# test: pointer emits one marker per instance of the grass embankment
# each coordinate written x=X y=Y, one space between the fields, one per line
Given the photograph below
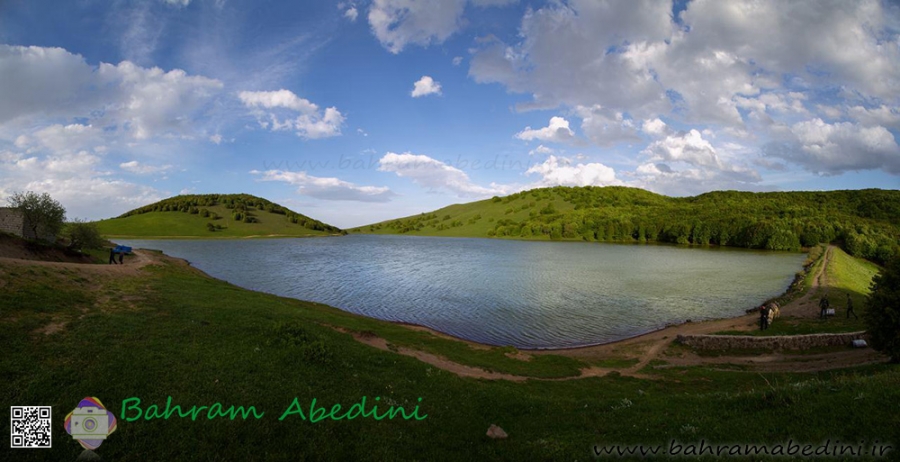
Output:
x=171 y=331
x=184 y=225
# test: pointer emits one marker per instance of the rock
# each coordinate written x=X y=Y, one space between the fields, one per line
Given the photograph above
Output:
x=495 y=432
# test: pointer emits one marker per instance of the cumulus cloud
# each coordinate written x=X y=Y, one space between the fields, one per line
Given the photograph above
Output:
x=179 y=3
x=557 y=131
x=351 y=13
x=655 y=127
x=835 y=148
x=687 y=164
x=311 y=123
x=434 y=174
x=690 y=148
x=75 y=179
x=397 y=23
x=426 y=86
x=457 y=60
x=605 y=127
x=328 y=188
x=143 y=102
x=876 y=116
x=559 y=172
x=721 y=63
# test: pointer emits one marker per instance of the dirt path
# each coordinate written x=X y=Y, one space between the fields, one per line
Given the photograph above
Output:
x=132 y=264
x=805 y=306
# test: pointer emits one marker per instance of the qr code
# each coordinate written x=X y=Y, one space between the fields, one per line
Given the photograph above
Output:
x=30 y=426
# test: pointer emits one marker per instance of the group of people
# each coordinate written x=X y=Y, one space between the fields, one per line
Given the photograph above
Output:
x=824 y=304
x=112 y=257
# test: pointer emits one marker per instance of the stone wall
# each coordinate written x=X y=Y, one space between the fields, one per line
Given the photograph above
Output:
x=776 y=342
x=11 y=221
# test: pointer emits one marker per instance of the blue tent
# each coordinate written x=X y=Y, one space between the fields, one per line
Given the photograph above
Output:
x=122 y=249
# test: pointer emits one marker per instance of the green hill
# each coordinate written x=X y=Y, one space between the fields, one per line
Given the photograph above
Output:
x=865 y=222
x=214 y=216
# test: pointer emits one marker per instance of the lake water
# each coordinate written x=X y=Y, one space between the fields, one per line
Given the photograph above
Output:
x=500 y=292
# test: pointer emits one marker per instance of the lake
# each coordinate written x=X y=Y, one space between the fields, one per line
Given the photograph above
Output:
x=501 y=292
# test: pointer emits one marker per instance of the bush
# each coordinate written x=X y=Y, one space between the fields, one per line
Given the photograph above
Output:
x=211 y=227
x=882 y=314
x=83 y=235
x=45 y=215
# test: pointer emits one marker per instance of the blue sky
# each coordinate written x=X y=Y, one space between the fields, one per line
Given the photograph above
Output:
x=358 y=111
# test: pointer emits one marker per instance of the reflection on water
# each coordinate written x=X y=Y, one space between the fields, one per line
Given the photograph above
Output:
x=526 y=294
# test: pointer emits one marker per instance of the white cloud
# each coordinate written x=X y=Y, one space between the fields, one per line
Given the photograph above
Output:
x=179 y=3
x=311 y=123
x=434 y=174
x=351 y=13
x=143 y=169
x=215 y=139
x=397 y=23
x=327 y=188
x=457 y=60
x=425 y=86
x=883 y=115
x=541 y=149
x=559 y=172
x=832 y=149
x=687 y=164
x=42 y=83
x=605 y=127
x=77 y=181
x=655 y=127
x=277 y=99
x=690 y=148
x=557 y=131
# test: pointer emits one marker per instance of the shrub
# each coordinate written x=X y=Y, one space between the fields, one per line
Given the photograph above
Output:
x=83 y=235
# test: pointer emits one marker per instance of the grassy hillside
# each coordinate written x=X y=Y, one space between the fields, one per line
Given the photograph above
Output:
x=213 y=216
x=170 y=331
x=865 y=222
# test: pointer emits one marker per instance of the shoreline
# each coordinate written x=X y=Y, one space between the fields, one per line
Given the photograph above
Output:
x=704 y=325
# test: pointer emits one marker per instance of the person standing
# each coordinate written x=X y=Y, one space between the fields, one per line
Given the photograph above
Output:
x=112 y=256
x=763 y=317
x=823 y=306
x=850 y=308
x=122 y=257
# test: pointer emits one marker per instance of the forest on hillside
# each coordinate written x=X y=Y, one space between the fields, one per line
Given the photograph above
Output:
x=866 y=223
x=243 y=207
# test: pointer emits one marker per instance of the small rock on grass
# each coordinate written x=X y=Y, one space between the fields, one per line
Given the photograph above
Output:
x=496 y=432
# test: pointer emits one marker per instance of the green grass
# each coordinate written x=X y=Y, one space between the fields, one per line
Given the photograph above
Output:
x=181 y=225
x=174 y=332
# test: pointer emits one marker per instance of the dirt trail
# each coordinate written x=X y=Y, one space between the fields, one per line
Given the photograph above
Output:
x=131 y=265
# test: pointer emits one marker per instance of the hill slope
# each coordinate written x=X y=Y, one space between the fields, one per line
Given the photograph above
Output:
x=214 y=215
x=867 y=222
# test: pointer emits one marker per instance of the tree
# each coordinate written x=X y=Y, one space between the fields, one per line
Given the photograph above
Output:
x=83 y=235
x=882 y=314
x=40 y=211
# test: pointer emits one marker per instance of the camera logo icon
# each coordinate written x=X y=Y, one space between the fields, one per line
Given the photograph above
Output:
x=90 y=423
